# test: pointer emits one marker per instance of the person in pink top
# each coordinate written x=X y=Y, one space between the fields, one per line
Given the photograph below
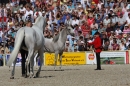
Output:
x=126 y=29
x=90 y=20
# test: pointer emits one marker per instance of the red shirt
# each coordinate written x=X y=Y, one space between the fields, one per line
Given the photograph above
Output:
x=84 y=30
x=97 y=44
x=90 y=21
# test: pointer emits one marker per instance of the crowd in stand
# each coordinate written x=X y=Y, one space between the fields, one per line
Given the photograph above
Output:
x=109 y=17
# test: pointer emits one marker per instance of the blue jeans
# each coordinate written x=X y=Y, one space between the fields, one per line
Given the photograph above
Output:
x=1 y=62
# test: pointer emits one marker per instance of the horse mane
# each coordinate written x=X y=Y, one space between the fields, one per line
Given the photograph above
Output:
x=55 y=38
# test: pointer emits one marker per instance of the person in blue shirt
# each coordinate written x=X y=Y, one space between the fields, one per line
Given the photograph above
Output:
x=60 y=21
x=1 y=59
x=94 y=31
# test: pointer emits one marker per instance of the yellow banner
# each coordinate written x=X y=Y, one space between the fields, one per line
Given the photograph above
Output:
x=68 y=58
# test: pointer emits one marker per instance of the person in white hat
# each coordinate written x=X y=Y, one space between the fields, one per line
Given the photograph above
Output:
x=106 y=21
x=81 y=47
x=126 y=29
x=114 y=19
x=75 y=47
x=68 y=47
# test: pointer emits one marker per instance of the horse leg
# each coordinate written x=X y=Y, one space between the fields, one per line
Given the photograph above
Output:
x=30 y=54
x=60 y=55
x=37 y=61
x=31 y=66
x=36 y=55
x=13 y=71
x=56 y=56
x=40 y=53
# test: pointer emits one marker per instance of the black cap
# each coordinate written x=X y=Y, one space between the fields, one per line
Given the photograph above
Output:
x=97 y=33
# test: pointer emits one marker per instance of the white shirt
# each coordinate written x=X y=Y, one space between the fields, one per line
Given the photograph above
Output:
x=1 y=33
x=22 y=9
x=121 y=20
x=125 y=15
x=32 y=0
x=118 y=31
x=114 y=20
x=105 y=22
x=28 y=12
x=75 y=22
x=5 y=12
x=99 y=5
x=128 y=20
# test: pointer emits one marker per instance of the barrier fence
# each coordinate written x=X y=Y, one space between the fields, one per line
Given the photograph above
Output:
x=82 y=58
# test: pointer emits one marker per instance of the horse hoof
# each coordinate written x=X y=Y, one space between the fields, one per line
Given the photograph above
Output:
x=26 y=76
x=60 y=68
x=34 y=76
x=11 y=77
x=37 y=75
x=54 y=68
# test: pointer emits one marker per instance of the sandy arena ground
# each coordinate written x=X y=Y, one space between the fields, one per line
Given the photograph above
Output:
x=83 y=75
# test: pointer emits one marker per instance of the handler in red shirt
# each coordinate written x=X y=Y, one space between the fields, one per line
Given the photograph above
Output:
x=97 y=45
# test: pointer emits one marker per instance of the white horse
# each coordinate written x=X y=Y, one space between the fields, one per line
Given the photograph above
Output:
x=33 y=39
x=57 y=44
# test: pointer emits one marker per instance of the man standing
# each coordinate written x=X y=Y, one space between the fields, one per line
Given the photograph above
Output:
x=97 y=45
x=24 y=53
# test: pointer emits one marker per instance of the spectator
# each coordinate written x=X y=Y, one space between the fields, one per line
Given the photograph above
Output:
x=1 y=60
x=126 y=29
x=68 y=47
x=82 y=46
x=109 y=18
x=115 y=46
x=122 y=45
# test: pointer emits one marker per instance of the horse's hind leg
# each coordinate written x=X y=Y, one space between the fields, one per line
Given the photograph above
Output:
x=37 y=58
x=40 y=53
x=13 y=71
x=31 y=67
x=30 y=54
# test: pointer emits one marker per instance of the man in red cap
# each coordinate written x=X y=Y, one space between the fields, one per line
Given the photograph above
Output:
x=96 y=1
x=97 y=45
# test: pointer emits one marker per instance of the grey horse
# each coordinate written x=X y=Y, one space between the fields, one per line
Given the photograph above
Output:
x=57 y=44
x=33 y=39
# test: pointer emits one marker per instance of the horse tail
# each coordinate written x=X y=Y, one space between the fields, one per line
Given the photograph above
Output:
x=18 y=42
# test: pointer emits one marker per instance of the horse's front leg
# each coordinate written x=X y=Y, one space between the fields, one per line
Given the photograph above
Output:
x=13 y=71
x=60 y=55
x=56 y=56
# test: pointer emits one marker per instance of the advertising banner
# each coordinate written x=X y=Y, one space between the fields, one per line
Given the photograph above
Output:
x=90 y=58
x=113 y=57
x=109 y=57
x=68 y=58
x=19 y=59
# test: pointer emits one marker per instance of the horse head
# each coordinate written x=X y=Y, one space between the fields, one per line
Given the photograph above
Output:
x=70 y=30
x=41 y=22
